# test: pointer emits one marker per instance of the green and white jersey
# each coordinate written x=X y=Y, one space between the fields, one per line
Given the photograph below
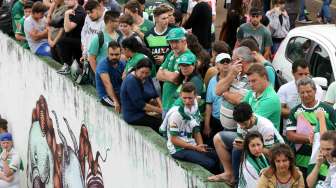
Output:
x=304 y=153
x=266 y=129
x=250 y=169
x=157 y=42
x=181 y=127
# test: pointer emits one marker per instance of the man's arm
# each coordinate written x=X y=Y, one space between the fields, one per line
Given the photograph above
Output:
x=314 y=174
x=36 y=35
x=92 y=62
x=298 y=138
x=233 y=97
x=285 y=111
x=267 y=53
x=224 y=84
x=109 y=90
x=68 y=24
x=207 y=116
x=164 y=75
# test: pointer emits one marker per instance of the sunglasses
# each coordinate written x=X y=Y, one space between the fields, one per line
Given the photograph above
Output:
x=225 y=61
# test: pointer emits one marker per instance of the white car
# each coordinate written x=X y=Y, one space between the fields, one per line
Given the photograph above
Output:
x=314 y=43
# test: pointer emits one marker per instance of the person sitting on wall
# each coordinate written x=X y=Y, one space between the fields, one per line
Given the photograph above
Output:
x=282 y=171
x=109 y=77
x=9 y=163
x=35 y=29
x=253 y=160
x=182 y=126
x=140 y=103
x=232 y=145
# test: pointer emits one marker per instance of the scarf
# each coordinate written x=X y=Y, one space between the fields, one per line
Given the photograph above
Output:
x=258 y=163
x=193 y=115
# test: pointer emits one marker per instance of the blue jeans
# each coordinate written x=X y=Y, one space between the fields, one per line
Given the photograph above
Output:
x=325 y=11
x=302 y=14
x=228 y=137
x=208 y=160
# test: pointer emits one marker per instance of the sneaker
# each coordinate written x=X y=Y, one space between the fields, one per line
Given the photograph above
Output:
x=64 y=70
x=305 y=21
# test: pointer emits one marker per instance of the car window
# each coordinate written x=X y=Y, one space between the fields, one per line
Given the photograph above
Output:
x=320 y=65
x=298 y=48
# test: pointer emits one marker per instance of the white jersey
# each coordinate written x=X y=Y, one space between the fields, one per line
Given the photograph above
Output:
x=266 y=128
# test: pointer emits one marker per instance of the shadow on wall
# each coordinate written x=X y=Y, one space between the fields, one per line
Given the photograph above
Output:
x=52 y=164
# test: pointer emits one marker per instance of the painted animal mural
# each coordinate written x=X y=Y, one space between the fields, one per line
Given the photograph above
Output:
x=59 y=165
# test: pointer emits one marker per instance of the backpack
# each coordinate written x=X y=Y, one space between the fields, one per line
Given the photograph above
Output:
x=279 y=79
x=6 y=17
x=101 y=39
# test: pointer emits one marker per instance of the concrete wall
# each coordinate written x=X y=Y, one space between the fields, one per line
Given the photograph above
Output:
x=135 y=157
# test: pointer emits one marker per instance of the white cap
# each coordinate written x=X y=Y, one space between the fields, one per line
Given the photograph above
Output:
x=222 y=56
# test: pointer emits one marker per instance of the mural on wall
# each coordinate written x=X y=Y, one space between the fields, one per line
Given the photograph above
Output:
x=60 y=165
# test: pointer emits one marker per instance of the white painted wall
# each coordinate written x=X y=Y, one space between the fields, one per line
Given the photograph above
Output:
x=131 y=161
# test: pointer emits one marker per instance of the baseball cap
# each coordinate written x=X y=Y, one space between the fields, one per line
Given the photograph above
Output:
x=6 y=137
x=176 y=34
x=186 y=58
x=222 y=56
x=255 y=11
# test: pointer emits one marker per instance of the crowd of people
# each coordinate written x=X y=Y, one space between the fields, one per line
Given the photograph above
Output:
x=219 y=103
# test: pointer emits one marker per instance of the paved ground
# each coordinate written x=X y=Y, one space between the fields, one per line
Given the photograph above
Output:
x=313 y=7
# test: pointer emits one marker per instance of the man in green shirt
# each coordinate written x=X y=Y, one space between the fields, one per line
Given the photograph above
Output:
x=17 y=13
x=19 y=32
x=141 y=25
x=96 y=52
x=262 y=97
x=155 y=39
x=306 y=119
x=255 y=29
x=169 y=70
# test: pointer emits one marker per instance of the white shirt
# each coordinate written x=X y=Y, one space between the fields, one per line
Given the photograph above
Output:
x=288 y=94
x=90 y=29
x=266 y=128
x=40 y=26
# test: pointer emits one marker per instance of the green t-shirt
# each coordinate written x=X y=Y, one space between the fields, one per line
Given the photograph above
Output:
x=262 y=35
x=133 y=61
x=17 y=14
x=102 y=52
x=169 y=88
x=304 y=153
x=20 y=31
x=266 y=105
x=324 y=168
x=146 y=26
